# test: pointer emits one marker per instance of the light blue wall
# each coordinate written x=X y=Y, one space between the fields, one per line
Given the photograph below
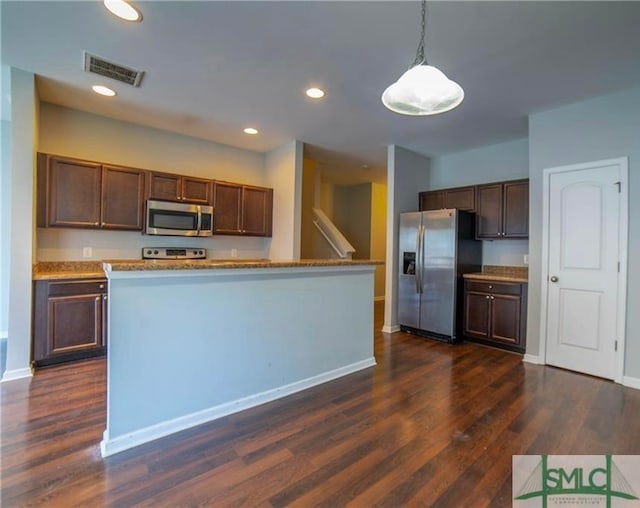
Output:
x=24 y=121
x=235 y=334
x=493 y=163
x=5 y=214
x=407 y=173
x=601 y=128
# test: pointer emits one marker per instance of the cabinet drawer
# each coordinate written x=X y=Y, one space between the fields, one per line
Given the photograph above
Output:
x=505 y=288
x=77 y=287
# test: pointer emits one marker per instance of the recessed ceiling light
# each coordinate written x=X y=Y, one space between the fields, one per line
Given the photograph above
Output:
x=103 y=90
x=123 y=10
x=250 y=130
x=315 y=93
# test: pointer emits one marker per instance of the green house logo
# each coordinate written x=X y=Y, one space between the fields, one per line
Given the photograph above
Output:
x=576 y=482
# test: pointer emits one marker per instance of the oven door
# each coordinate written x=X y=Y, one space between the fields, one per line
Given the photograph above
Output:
x=172 y=219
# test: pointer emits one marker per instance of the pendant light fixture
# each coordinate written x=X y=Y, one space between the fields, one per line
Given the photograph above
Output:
x=423 y=89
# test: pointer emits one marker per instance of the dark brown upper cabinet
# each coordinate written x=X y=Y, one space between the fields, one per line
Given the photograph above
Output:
x=462 y=198
x=502 y=210
x=187 y=189
x=257 y=211
x=122 y=198
x=242 y=209
x=431 y=200
x=83 y=194
x=516 y=209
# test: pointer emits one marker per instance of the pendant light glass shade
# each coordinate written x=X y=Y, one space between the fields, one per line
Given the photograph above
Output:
x=423 y=90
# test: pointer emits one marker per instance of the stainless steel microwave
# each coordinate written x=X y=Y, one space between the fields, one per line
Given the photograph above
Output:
x=178 y=219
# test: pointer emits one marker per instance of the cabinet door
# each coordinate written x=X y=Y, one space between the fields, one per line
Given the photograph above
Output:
x=227 y=202
x=69 y=320
x=196 y=190
x=256 y=211
x=431 y=200
x=73 y=189
x=505 y=319
x=516 y=209
x=489 y=211
x=75 y=323
x=476 y=314
x=122 y=198
x=164 y=186
x=462 y=198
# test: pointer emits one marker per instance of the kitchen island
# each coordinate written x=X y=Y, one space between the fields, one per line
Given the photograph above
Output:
x=192 y=341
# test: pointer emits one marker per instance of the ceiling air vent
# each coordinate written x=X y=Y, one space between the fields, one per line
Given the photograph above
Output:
x=112 y=70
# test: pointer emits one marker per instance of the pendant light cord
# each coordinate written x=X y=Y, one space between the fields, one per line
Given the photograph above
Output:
x=420 y=55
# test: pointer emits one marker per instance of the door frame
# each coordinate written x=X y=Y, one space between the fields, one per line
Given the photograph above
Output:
x=623 y=231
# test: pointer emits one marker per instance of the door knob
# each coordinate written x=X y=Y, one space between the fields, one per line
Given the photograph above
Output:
x=553 y=278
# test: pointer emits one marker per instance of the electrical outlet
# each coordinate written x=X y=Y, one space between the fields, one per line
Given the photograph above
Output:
x=234 y=253
x=526 y=259
x=87 y=252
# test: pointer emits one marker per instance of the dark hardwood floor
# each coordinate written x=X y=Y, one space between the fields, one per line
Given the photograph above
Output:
x=431 y=425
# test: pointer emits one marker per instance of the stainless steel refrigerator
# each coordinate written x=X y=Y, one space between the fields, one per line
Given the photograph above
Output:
x=435 y=249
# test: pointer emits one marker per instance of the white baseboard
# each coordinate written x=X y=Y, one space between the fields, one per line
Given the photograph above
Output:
x=391 y=329
x=378 y=298
x=535 y=359
x=631 y=382
x=12 y=375
x=118 y=444
x=4 y=334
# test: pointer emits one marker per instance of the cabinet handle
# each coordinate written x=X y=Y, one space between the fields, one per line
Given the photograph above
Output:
x=490 y=286
x=101 y=286
x=104 y=297
x=96 y=223
x=97 y=298
x=487 y=297
x=492 y=297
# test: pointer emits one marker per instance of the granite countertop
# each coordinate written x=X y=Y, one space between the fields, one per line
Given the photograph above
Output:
x=501 y=273
x=214 y=264
x=60 y=270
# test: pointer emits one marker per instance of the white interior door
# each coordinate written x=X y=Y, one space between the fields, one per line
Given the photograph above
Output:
x=583 y=269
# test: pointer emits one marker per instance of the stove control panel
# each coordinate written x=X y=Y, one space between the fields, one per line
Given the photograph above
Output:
x=173 y=253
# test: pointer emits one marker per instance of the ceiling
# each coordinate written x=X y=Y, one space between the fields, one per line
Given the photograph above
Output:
x=213 y=68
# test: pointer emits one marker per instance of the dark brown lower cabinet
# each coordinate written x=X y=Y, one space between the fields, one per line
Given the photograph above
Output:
x=495 y=313
x=69 y=320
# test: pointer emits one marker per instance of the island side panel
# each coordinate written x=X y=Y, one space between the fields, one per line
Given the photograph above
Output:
x=183 y=345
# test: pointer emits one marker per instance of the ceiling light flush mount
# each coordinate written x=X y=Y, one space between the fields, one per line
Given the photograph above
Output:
x=103 y=90
x=250 y=130
x=123 y=9
x=315 y=93
x=423 y=89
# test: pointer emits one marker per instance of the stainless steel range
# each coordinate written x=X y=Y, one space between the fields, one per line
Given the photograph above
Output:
x=173 y=253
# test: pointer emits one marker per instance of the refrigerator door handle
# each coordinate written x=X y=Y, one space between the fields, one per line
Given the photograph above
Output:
x=419 y=264
x=416 y=271
x=423 y=233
